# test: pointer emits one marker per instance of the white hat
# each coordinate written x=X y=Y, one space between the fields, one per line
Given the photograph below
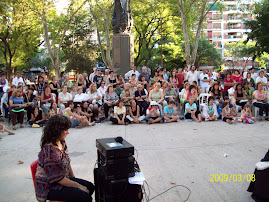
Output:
x=153 y=103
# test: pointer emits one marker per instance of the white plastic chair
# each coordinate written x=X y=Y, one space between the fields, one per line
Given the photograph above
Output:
x=203 y=99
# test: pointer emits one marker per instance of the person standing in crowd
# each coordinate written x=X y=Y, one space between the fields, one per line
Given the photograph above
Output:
x=46 y=100
x=228 y=83
x=237 y=77
x=210 y=112
x=159 y=77
x=129 y=74
x=106 y=76
x=44 y=75
x=260 y=101
x=214 y=75
x=64 y=97
x=204 y=81
x=144 y=74
x=119 y=114
x=112 y=79
x=173 y=80
x=54 y=86
x=5 y=104
x=97 y=79
x=254 y=75
x=249 y=80
x=62 y=78
x=37 y=117
x=55 y=179
x=180 y=77
x=68 y=83
x=17 y=108
x=110 y=100
x=165 y=76
x=92 y=74
x=40 y=86
x=88 y=82
x=261 y=78
x=18 y=80
x=170 y=112
x=192 y=75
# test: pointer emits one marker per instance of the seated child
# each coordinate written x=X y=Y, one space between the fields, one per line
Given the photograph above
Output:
x=153 y=113
x=228 y=114
x=170 y=112
x=191 y=111
x=246 y=115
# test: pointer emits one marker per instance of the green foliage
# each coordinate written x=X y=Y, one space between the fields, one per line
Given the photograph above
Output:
x=207 y=54
x=80 y=52
x=19 y=34
x=260 y=27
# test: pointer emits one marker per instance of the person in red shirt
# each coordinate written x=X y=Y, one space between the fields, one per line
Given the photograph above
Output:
x=228 y=83
x=237 y=77
x=180 y=77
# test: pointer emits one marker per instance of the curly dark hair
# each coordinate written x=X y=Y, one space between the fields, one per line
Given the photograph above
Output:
x=54 y=128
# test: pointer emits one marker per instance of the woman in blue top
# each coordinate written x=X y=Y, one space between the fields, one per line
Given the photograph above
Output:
x=17 y=108
x=191 y=111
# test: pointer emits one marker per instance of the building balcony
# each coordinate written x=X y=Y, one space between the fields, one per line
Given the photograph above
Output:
x=216 y=37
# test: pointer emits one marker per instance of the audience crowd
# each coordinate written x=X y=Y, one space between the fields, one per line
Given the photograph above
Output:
x=136 y=97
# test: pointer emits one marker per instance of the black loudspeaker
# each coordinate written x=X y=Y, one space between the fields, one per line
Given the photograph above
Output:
x=116 y=168
x=115 y=190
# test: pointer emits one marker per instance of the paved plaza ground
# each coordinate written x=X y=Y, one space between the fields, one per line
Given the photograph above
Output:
x=185 y=153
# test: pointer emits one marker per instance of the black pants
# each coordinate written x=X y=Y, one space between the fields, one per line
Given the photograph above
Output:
x=115 y=121
x=143 y=107
x=69 y=194
x=29 y=110
x=242 y=104
x=188 y=115
x=106 y=109
x=264 y=107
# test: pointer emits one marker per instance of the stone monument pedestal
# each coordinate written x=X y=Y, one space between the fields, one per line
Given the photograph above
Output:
x=122 y=53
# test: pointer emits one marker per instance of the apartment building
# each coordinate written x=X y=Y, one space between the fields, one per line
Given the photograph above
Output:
x=227 y=26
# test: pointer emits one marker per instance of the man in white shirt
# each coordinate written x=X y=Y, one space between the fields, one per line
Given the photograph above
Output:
x=254 y=75
x=18 y=80
x=204 y=81
x=165 y=77
x=192 y=75
x=92 y=75
x=64 y=97
x=129 y=74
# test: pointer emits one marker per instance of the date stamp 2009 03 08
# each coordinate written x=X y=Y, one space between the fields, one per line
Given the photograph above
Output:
x=232 y=177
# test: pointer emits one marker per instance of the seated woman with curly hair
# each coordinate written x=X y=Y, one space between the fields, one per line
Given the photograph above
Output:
x=55 y=179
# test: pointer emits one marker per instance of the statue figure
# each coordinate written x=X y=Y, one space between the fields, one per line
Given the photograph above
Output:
x=122 y=21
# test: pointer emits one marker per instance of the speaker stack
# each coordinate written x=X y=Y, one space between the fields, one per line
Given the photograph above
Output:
x=116 y=164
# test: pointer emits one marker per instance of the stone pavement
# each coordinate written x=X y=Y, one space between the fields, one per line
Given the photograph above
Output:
x=185 y=153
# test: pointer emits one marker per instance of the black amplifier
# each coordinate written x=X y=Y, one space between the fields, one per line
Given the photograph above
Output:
x=111 y=149
x=116 y=168
x=115 y=190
